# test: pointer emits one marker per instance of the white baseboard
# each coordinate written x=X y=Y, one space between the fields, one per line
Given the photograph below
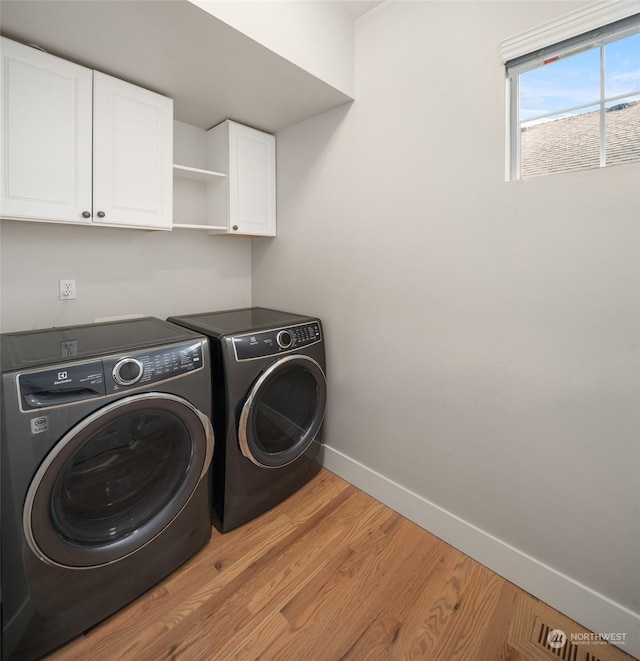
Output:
x=582 y=604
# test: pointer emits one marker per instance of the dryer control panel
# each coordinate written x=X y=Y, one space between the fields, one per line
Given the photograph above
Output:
x=75 y=382
x=277 y=340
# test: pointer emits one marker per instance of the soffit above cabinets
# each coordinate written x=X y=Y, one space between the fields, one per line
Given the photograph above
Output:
x=173 y=47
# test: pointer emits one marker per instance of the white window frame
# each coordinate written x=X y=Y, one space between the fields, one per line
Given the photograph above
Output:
x=542 y=39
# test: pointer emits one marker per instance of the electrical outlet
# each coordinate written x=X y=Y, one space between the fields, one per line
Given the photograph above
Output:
x=67 y=290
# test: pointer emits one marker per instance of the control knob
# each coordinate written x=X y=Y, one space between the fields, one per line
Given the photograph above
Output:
x=284 y=339
x=128 y=371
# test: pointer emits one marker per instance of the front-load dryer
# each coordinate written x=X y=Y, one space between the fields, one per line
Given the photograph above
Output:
x=269 y=399
x=105 y=453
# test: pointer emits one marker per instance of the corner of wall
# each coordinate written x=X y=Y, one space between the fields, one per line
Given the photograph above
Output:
x=579 y=602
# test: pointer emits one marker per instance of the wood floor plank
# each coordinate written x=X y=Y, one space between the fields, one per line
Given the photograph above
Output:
x=492 y=644
x=355 y=589
x=357 y=518
x=270 y=580
x=254 y=640
x=377 y=640
x=436 y=601
x=329 y=574
x=383 y=632
x=471 y=617
x=218 y=605
x=141 y=626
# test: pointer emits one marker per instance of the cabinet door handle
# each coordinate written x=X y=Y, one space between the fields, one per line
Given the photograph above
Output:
x=86 y=214
x=235 y=228
x=101 y=214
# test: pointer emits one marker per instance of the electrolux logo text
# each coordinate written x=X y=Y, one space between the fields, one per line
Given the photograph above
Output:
x=63 y=377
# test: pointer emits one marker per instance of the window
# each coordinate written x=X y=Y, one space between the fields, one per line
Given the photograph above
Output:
x=575 y=105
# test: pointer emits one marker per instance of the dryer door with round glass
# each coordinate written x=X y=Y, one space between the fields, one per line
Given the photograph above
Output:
x=117 y=480
x=283 y=412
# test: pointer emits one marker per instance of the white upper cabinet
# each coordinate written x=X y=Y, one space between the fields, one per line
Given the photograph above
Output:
x=225 y=179
x=81 y=146
x=252 y=181
x=249 y=158
x=47 y=124
x=132 y=155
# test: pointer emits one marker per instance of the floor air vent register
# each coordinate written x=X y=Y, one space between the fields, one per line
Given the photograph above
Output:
x=540 y=633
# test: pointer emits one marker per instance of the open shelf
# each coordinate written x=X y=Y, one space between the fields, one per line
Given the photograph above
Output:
x=193 y=184
x=195 y=174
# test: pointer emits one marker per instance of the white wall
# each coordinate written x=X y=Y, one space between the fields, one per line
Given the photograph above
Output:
x=482 y=335
x=315 y=35
x=118 y=272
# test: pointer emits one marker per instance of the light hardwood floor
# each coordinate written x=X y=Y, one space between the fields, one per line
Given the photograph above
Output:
x=331 y=574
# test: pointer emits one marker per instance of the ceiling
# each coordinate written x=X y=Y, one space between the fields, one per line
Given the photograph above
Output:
x=358 y=7
x=211 y=71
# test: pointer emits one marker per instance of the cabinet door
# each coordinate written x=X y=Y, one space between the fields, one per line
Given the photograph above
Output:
x=45 y=163
x=252 y=181
x=132 y=155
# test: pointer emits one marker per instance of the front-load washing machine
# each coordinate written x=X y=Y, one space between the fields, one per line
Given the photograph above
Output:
x=105 y=453
x=269 y=399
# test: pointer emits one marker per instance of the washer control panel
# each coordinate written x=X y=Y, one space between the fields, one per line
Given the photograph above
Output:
x=75 y=382
x=278 y=340
x=144 y=368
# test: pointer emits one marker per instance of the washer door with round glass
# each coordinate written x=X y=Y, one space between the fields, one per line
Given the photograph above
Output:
x=283 y=412
x=117 y=480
